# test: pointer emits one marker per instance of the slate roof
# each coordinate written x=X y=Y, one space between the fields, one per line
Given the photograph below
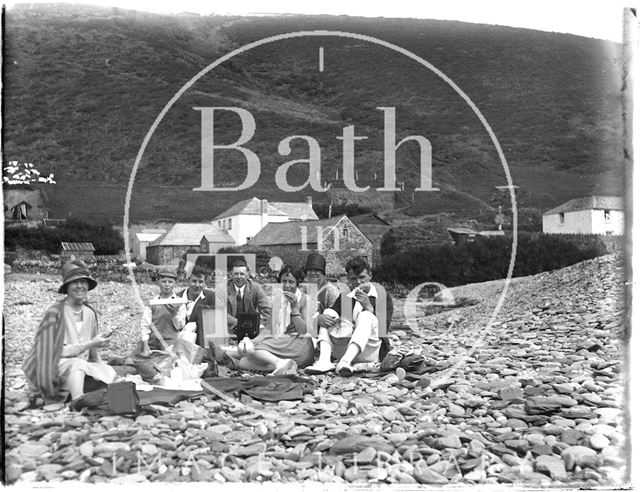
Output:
x=276 y=233
x=593 y=202
x=252 y=206
x=374 y=232
x=77 y=247
x=372 y=218
x=462 y=230
x=191 y=235
x=148 y=236
x=296 y=211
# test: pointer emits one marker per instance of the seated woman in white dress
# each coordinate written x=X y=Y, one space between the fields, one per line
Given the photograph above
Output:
x=66 y=346
x=290 y=345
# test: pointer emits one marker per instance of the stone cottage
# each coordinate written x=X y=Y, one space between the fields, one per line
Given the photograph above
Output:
x=24 y=203
x=246 y=218
x=337 y=238
x=170 y=247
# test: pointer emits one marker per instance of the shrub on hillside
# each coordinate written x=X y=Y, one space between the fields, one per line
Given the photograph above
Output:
x=487 y=259
x=105 y=238
x=236 y=253
x=349 y=209
x=411 y=236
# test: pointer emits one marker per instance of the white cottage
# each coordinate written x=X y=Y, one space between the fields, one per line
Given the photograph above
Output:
x=246 y=218
x=595 y=214
x=143 y=239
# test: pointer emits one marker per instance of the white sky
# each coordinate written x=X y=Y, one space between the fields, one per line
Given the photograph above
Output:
x=597 y=19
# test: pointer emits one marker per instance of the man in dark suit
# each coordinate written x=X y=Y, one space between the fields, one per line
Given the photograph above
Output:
x=245 y=296
x=197 y=297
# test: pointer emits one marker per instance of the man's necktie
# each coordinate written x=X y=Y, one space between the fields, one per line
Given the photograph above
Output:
x=238 y=301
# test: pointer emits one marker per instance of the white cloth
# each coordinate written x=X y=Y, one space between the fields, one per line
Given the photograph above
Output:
x=284 y=315
x=190 y=304
x=241 y=289
x=357 y=309
x=81 y=332
x=178 y=320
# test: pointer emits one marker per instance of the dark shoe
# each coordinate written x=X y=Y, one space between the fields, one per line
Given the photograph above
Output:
x=218 y=355
x=414 y=364
x=390 y=362
x=212 y=370
x=344 y=370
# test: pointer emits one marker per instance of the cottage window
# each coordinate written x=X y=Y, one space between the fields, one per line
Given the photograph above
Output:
x=561 y=217
x=345 y=232
x=229 y=224
x=607 y=215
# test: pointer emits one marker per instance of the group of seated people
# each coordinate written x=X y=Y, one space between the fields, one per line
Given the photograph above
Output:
x=339 y=329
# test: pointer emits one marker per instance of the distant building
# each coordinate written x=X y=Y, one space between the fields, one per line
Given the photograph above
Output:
x=24 y=203
x=374 y=227
x=246 y=218
x=596 y=214
x=169 y=248
x=76 y=251
x=466 y=235
x=142 y=239
x=339 y=240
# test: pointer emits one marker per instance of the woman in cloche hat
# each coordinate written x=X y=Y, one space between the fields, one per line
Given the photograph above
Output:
x=66 y=346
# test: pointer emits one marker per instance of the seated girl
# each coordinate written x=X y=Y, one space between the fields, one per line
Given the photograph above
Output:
x=281 y=354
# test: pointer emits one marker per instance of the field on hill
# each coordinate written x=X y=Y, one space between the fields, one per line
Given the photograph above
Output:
x=83 y=85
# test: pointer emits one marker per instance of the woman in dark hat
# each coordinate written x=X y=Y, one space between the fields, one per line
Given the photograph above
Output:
x=66 y=346
x=314 y=270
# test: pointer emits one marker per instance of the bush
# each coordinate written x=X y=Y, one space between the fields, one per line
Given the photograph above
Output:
x=488 y=259
x=105 y=238
x=208 y=263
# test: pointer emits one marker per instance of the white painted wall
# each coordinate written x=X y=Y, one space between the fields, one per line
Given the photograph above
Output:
x=584 y=222
x=613 y=224
x=243 y=225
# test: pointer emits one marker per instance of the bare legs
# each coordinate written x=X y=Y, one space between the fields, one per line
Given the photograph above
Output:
x=323 y=364
x=75 y=383
x=261 y=360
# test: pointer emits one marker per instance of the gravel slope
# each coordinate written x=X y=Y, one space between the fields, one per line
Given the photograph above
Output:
x=534 y=397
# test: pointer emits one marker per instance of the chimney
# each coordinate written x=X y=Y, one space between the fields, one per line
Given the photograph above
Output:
x=264 y=220
x=310 y=201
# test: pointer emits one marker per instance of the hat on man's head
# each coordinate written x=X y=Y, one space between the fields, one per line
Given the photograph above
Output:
x=167 y=271
x=315 y=261
x=75 y=270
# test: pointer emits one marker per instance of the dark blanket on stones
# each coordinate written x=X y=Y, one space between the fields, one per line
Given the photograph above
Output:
x=265 y=388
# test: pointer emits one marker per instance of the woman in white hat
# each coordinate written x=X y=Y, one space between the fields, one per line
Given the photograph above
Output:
x=66 y=346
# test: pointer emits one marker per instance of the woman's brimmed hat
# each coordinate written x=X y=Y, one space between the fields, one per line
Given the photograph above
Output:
x=315 y=261
x=75 y=270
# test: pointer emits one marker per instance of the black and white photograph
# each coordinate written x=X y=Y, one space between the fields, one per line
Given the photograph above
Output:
x=338 y=246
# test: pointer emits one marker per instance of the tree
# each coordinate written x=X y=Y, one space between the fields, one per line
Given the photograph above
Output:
x=15 y=173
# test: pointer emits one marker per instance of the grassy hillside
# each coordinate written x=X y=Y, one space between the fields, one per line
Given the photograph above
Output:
x=83 y=85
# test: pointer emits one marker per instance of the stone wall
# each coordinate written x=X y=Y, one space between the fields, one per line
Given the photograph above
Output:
x=105 y=272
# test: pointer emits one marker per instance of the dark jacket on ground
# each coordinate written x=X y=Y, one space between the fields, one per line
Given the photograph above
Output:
x=209 y=301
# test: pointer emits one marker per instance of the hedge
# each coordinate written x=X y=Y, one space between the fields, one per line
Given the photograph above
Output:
x=105 y=238
x=487 y=259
